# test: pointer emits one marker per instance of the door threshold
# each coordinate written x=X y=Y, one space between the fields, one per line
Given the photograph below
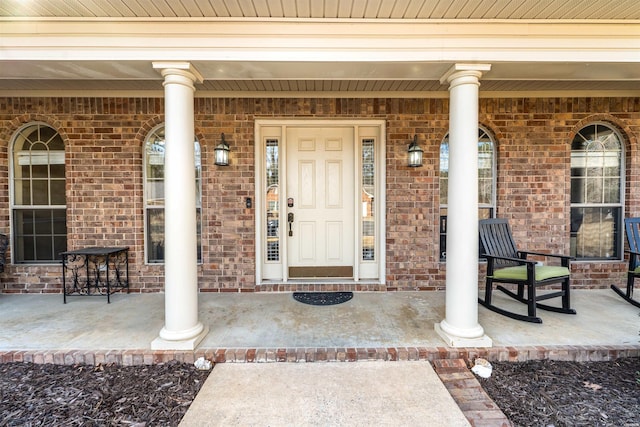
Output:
x=321 y=285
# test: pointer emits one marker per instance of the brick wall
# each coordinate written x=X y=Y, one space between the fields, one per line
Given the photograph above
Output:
x=104 y=138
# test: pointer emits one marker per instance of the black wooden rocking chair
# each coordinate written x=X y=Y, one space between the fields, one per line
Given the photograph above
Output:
x=632 y=226
x=505 y=264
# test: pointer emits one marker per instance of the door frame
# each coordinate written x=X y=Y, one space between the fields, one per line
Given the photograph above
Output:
x=270 y=272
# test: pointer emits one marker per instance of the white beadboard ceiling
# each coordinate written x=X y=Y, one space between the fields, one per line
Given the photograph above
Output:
x=348 y=9
x=119 y=49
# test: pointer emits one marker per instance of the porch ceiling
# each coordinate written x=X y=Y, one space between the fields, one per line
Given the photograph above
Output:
x=368 y=9
x=322 y=48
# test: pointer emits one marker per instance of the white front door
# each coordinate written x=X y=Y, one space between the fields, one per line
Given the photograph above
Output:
x=320 y=202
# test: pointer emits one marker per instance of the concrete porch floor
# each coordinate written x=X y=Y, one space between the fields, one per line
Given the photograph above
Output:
x=400 y=320
x=273 y=327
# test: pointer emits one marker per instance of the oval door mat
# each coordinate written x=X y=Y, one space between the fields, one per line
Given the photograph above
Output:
x=322 y=298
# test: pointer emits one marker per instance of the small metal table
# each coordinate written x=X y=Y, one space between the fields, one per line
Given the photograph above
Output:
x=95 y=271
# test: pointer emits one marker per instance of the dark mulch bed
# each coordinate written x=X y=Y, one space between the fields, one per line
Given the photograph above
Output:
x=536 y=393
x=57 y=395
x=553 y=393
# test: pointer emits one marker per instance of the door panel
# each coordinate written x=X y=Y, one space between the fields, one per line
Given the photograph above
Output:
x=307 y=253
x=334 y=184
x=335 y=244
x=320 y=180
x=307 y=184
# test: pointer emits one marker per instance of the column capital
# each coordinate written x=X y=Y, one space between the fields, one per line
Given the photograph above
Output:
x=460 y=70
x=180 y=68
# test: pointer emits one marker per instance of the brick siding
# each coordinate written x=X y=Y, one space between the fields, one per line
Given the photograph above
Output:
x=104 y=144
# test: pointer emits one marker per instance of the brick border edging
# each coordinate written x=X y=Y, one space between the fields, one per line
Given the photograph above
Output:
x=465 y=389
x=320 y=354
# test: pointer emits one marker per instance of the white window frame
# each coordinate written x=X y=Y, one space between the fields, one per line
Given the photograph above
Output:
x=47 y=157
x=147 y=207
x=491 y=207
x=619 y=236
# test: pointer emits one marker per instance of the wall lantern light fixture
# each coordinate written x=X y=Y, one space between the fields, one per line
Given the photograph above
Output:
x=415 y=153
x=222 y=153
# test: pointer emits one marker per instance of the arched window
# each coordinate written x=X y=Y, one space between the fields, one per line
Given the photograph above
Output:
x=154 y=195
x=38 y=194
x=486 y=183
x=596 y=193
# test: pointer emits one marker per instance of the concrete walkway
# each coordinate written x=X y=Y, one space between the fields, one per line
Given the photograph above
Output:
x=324 y=394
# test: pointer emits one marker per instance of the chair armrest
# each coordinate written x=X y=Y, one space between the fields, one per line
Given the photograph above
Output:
x=491 y=268
x=520 y=261
x=548 y=255
x=565 y=260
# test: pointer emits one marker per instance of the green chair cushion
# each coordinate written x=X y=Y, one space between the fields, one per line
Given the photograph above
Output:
x=519 y=272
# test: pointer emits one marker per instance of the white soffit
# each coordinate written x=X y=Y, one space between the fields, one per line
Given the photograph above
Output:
x=275 y=55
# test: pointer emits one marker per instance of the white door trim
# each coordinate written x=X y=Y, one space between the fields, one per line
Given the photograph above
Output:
x=276 y=272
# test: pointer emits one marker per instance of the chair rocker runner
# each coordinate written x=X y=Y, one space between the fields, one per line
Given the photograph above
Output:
x=632 y=227
x=506 y=264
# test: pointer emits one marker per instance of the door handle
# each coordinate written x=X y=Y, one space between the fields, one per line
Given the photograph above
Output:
x=290 y=221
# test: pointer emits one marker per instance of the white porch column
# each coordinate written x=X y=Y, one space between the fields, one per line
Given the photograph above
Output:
x=182 y=329
x=460 y=328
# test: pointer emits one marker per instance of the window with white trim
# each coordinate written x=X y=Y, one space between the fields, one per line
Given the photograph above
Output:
x=154 y=195
x=39 y=211
x=597 y=187
x=486 y=183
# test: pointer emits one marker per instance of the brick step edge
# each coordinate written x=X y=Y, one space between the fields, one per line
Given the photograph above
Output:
x=476 y=405
x=317 y=354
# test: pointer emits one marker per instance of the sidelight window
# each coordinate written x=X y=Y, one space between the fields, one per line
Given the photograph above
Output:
x=272 y=201
x=368 y=190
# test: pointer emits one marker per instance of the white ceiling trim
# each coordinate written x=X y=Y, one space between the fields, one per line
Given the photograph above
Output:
x=280 y=54
x=232 y=40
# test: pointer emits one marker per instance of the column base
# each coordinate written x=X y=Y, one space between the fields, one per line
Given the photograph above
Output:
x=186 y=344
x=456 y=341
